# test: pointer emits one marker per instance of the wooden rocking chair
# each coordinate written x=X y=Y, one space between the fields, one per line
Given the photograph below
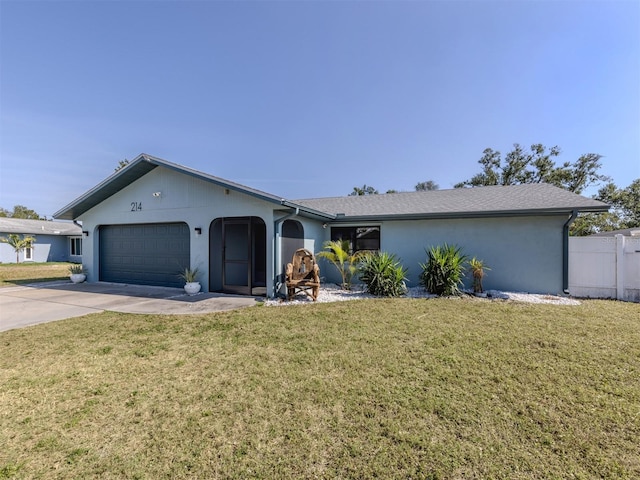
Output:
x=303 y=275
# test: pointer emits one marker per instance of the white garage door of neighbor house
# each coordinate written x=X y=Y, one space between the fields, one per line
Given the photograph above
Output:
x=144 y=254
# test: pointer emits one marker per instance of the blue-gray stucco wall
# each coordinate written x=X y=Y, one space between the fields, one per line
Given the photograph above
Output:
x=524 y=253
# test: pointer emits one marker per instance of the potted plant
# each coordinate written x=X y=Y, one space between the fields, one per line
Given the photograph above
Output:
x=190 y=277
x=77 y=273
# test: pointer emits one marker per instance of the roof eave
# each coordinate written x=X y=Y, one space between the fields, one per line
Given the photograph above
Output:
x=308 y=212
x=456 y=215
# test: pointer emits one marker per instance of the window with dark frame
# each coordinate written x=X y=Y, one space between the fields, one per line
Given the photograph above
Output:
x=76 y=246
x=359 y=238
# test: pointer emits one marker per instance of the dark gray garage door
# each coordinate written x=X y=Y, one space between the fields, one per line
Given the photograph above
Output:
x=146 y=254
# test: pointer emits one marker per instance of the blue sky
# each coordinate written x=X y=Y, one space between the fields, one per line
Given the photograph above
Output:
x=309 y=99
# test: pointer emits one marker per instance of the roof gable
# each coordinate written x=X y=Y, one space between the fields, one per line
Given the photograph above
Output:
x=144 y=164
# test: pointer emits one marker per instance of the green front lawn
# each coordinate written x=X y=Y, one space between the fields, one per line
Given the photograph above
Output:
x=398 y=388
x=12 y=274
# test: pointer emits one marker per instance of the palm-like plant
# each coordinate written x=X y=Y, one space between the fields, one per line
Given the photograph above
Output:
x=383 y=274
x=338 y=253
x=443 y=272
x=477 y=268
x=18 y=244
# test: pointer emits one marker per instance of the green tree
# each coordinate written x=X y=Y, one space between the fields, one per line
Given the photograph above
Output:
x=365 y=190
x=20 y=211
x=346 y=262
x=18 y=244
x=536 y=166
x=122 y=164
x=624 y=213
x=425 y=186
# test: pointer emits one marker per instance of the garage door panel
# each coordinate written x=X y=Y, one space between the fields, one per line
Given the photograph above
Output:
x=145 y=254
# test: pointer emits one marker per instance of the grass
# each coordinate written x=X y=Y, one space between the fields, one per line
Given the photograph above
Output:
x=399 y=388
x=12 y=274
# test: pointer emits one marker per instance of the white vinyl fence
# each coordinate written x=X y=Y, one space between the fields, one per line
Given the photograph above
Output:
x=605 y=267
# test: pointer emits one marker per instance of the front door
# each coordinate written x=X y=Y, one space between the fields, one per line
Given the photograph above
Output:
x=236 y=263
x=238 y=255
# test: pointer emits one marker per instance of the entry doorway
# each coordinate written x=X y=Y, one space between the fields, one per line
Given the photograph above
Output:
x=238 y=255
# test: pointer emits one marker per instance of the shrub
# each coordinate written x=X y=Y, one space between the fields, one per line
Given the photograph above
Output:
x=444 y=270
x=382 y=274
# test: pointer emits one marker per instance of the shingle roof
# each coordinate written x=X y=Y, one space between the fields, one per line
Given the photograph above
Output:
x=628 y=232
x=35 y=227
x=458 y=202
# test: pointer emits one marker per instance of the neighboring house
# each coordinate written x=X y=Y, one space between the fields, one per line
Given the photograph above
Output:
x=152 y=218
x=55 y=241
x=627 y=232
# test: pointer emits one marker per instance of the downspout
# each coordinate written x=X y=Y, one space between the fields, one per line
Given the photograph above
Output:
x=565 y=251
x=277 y=232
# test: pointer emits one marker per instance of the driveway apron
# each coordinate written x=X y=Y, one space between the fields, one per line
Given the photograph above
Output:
x=39 y=303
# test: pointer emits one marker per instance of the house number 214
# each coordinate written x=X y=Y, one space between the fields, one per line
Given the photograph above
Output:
x=136 y=206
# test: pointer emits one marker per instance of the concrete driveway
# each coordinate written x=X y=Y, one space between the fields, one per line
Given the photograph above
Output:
x=45 y=302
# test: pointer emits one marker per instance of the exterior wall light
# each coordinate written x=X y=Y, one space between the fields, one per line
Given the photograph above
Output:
x=85 y=233
x=198 y=230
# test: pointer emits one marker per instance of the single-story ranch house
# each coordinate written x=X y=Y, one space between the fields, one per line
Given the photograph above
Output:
x=55 y=241
x=152 y=218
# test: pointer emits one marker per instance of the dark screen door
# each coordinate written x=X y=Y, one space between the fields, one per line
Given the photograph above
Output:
x=237 y=256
